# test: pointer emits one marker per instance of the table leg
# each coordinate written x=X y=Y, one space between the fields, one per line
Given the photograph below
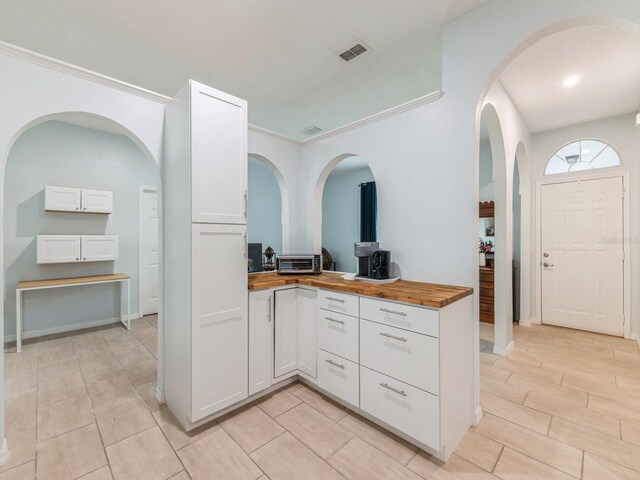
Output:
x=128 y=304
x=18 y=320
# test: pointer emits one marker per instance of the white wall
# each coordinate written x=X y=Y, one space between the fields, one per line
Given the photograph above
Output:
x=341 y=215
x=59 y=154
x=622 y=133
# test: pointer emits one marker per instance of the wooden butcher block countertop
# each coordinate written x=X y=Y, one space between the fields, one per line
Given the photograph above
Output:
x=417 y=293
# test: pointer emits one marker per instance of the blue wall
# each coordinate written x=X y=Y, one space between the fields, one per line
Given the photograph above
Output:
x=265 y=207
x=65 y=155
x=341 y=214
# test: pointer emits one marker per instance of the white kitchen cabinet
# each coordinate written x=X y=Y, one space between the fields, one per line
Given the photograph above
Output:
x=58 y=248
x=339 y=377
x=409 y=409
x=219 y=330
x=307 y=331
x=99 y=248
x=76 y=248
x=62 y=199
x=205 y=301
x=78 y=200
x=286 y=332
x=260 y=340
x=338 y=334
x=218 y=140
x=96 y=201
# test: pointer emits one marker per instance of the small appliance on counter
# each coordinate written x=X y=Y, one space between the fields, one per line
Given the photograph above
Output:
x=373 y=263
x=298 y=264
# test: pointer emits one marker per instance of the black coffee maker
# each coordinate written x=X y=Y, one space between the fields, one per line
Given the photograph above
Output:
x=372 y=262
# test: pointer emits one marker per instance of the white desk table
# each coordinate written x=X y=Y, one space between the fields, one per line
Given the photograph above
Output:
x=69 y=282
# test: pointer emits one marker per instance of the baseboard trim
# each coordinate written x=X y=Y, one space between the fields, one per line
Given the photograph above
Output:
x=524 y=323
x=506 y=351
x=4 y=453
x=69 y=328
x=160 y=396
x=477 y=416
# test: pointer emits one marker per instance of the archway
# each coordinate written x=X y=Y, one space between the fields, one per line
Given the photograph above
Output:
x=40 y=154
x=340 y=210
x=268 y=205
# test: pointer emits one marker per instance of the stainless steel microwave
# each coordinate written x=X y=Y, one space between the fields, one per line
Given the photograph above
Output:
x=292 y=264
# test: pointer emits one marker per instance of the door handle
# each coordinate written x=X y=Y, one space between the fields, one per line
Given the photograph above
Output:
x=388 y=335
x=269 y=308
x=331 y=362
x=547 y=265
x=395 y=390
x=341 y=322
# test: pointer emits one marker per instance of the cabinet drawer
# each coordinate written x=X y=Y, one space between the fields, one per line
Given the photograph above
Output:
x=339 y=377
x=410 y=410
x=338 y=302
x=416 y=319
x=338 y=334
x=410 y=357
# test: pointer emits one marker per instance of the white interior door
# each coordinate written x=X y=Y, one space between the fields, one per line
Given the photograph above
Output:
x=149 y=252
x=582 y=267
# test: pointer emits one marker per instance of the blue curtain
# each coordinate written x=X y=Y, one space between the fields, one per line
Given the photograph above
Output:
x=368 y=212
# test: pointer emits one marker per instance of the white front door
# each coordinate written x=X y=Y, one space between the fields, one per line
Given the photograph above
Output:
x=149 y=252
x=582 y=267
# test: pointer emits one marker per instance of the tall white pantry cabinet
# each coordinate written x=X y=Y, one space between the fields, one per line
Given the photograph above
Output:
x=205 y=275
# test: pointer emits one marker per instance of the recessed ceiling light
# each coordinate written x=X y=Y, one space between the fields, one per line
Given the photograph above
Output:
x=571 y=81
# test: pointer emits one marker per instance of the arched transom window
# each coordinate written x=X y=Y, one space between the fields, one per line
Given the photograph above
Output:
x=582 y=155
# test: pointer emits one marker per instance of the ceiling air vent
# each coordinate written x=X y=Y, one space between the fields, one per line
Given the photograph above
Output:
x=312 y=130
x=353 y=52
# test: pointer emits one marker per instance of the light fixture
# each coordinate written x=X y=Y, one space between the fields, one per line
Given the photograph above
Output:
x=571 y=81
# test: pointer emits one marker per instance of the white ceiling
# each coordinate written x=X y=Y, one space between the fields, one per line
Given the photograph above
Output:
x=607 y=61
x=279 y=55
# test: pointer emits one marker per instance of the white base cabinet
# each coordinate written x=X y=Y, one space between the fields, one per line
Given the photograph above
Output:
x=307 y=331
x=260 y=340
x=286 y=332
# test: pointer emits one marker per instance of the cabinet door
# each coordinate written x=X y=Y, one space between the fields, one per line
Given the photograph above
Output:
x=218 y=157
x=307 y=331
x=97 y=201
x=286 y=332
x=260 y=340
x=58 y=248
x=219 y=323
x=61 y=199
x=99 y=248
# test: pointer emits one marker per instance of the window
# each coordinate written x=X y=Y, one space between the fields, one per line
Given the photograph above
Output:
x=582 y=155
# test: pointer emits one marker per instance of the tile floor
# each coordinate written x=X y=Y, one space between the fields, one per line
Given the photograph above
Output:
x=564 y=405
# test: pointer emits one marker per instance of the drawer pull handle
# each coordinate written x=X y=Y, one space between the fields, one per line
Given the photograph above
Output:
x=394 y=312
x=388 y=335
x=399 y=392
x=331 y=362
x=332 y=299
x=341 y=322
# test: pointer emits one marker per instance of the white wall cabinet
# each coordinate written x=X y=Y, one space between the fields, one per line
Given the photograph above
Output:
x=77 y=200
x=260 y=340
x=218 y=140
x=205 y=297
x=286 y=332
x=76 y=248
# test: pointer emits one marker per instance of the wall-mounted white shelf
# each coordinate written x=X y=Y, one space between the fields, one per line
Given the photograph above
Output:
x=77 y=248
x=77 y=200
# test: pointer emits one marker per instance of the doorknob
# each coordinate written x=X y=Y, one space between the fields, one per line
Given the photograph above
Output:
x=545 y=255
x=546 y=265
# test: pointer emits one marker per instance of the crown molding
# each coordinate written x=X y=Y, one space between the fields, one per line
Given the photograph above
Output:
x=271 y=133
x=75 y=71
x=89 y=75
x=376 y=117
